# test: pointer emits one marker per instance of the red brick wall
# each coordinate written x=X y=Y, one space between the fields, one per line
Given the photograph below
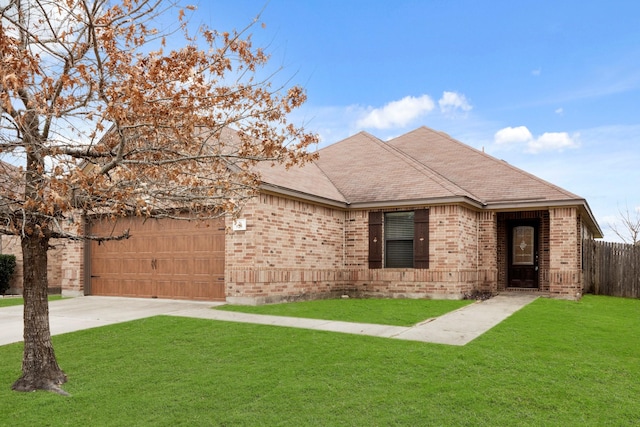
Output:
x=11 y=245
x=72 y=269
x=565 y=241
x=290 y=249
x=487 y=252
x=294 y=250
x=356 y=239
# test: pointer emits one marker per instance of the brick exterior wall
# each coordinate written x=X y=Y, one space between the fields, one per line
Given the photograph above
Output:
x=290 y=250
x=65 y=263
x=277 y=258
x=11 y=245
x=487 y=280
x=295 y=250
x=565 y=269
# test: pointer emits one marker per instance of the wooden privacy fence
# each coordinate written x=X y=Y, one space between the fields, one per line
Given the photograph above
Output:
x=611 y=268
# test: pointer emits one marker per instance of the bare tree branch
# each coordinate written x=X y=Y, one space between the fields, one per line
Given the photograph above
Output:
x=628 y=227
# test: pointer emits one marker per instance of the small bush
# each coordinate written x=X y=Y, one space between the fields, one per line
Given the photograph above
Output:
x=7 y=267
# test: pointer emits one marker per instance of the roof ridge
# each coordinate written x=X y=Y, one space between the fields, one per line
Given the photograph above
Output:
x=464 y=191
x=436 y=177
x=317 y=164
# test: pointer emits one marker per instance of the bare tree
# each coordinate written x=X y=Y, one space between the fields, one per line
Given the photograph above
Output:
x=627 y=227
x=104 y=120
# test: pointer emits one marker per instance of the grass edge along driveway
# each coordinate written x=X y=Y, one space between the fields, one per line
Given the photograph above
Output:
x=552 y=363
x=395 y=312
x=9 y=301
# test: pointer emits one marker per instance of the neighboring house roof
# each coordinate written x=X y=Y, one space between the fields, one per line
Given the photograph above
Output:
x=422 y=166
x=11 y=183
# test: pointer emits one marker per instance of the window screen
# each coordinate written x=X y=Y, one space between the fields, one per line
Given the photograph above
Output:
x=398 y=237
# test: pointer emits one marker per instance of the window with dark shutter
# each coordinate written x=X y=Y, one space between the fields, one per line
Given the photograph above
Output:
x=398 y=239
x=405 y=237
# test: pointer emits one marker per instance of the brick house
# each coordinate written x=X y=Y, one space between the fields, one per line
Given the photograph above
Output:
x=419 y=216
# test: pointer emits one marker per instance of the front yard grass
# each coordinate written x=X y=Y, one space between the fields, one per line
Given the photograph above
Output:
x=553 y=363
x=396 y=312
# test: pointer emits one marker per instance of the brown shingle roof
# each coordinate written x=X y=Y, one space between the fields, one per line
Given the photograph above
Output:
x=365 y=169
x=490 y=180
x=308 y=179
x=422 y=166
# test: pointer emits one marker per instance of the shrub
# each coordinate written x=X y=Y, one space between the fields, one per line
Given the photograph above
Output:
x=7 y=267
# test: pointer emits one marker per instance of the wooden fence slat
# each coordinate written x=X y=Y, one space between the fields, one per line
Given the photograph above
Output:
x=611 y=268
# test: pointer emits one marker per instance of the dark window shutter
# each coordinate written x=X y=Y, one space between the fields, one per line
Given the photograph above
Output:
x=421 y=239
x=375 y=239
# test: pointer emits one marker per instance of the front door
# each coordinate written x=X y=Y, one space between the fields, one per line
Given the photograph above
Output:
x=523 y=255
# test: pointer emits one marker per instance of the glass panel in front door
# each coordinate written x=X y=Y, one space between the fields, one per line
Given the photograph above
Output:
x=523 y=245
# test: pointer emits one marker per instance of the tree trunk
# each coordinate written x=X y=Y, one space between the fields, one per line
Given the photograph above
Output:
x=40 y=370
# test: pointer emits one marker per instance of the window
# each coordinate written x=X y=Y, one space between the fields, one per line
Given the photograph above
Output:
x=403 y=238
x=398 y=239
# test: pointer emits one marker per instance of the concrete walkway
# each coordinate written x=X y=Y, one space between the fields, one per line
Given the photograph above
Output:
x=455 y=328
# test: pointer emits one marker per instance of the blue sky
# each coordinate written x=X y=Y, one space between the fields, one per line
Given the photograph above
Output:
x=552 y=87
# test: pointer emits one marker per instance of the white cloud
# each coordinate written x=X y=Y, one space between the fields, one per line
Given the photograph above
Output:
x=397 y=113
x=511 y=135
x=536 y=72
x=559 y=111
x=548 y=141
x=553 y=141
x=452 y=102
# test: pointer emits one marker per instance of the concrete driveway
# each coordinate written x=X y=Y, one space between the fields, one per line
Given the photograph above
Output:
x=455 y=328
x=74 y=314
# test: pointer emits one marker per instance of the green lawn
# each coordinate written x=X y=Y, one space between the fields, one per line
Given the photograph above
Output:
x=553 y=363
x=397 y=312
x=9 y=301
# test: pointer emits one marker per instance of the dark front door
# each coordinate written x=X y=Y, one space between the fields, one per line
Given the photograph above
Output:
x=523 y=255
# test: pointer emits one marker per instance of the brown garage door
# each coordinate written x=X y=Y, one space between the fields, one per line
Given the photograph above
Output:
x=164 y=258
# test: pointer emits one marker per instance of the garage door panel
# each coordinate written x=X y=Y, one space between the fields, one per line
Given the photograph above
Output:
x=181 y=244
x=162 y=258
x=182 y=266
x=207 y=266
